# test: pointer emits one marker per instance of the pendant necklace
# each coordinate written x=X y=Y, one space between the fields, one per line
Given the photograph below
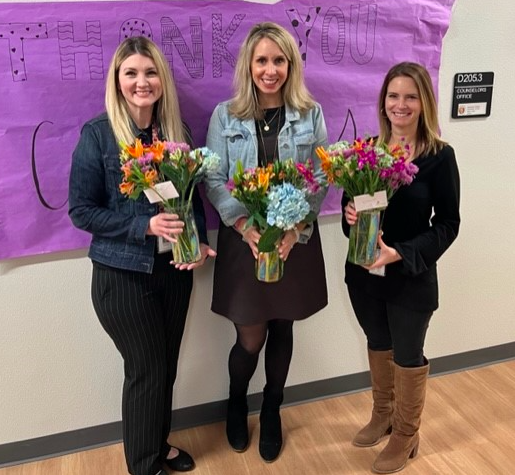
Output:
x=265 y=152
x=155 y=133
x=266 y=127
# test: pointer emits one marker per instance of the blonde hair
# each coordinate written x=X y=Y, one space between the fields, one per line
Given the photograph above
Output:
x=166 y=110
x=428 y=136
x=244 y=104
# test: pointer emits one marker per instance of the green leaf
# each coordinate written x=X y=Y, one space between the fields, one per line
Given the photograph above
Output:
x=260 y=220
x=269 y=238
x=310 y=217
x=135 y=194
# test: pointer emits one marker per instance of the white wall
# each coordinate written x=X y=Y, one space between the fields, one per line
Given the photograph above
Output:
x=60 y=372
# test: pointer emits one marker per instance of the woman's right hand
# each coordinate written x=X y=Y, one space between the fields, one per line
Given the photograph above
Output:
x=250 y=235
x=350 y=214
x=166 y=225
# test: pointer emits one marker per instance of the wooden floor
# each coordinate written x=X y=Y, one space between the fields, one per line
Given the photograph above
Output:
x=468 y=428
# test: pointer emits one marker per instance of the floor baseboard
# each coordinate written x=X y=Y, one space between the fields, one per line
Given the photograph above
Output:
x=91 y=437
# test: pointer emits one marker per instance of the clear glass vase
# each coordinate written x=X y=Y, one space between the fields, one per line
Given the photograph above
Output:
x=363 y=237
x=187 y=248
x=269 y=266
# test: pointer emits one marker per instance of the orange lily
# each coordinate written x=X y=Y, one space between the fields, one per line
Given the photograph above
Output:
x=126 y=169
x=157 y=149
x=137 y=150
x=326 y=163
x=150 y=177
x=263 y=179
x=126 y=188
x=398 y=151
x=358 y=144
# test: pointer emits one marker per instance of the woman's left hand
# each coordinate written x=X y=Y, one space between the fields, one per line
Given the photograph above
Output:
x=289 y=240
x=387 y=255
x=205 y=252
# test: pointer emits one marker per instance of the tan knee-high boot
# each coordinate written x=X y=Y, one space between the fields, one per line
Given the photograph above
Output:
x=381 y=374
x=410 y=395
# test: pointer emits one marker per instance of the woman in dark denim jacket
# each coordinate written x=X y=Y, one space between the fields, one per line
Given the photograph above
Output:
x=140 y=299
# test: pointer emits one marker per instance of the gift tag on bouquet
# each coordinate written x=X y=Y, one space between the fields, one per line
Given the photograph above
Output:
x=161 y=191
x=375 y=201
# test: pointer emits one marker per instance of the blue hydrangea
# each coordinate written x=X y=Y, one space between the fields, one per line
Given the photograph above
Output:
x=287 y=206
x=210 y=161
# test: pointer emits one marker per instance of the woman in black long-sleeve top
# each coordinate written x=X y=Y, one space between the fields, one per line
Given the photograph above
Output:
x=420 y=223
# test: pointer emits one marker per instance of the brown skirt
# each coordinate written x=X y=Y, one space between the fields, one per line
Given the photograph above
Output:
x=240 y=297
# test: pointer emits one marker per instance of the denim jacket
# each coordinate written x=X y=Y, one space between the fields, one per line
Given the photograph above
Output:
x=118 y=224
x=235 y=139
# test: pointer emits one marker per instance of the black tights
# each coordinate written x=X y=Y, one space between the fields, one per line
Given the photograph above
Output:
x=244 y=355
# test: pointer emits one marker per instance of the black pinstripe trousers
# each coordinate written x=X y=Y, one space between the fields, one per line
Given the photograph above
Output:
x=144 y=314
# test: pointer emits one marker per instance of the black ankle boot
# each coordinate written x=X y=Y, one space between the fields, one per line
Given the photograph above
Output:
x=236 y=428
x=270 y=436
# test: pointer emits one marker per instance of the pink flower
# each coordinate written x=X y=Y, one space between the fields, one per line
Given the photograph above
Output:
x=230 y=185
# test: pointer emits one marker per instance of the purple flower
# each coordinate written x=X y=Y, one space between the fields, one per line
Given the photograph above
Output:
x=173 y=147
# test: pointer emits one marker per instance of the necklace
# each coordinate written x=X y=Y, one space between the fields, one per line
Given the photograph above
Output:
x=144 y=134
x=155 y=133
x=266 y=127
x=265 y=151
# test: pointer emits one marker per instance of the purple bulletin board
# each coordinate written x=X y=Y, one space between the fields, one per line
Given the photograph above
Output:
x=54 y=59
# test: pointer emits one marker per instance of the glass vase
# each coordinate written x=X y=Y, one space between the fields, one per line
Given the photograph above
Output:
x=269 y=266
x=363 y=238
x=187 y=248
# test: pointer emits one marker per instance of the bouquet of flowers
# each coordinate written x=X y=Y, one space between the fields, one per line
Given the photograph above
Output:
x=365 y=168
x=276 y=197
x=167 y=172
x=369 y=174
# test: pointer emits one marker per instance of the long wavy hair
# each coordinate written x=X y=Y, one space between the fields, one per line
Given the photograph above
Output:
x=428 y=131
x=244 y=104
x=166 y=110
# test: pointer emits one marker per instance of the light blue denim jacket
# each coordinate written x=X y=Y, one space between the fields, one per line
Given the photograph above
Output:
x=235 y=139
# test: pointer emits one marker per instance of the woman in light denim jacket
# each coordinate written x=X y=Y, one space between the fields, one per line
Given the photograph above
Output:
x=140 y=299
x=237 y=139
x=271 y=117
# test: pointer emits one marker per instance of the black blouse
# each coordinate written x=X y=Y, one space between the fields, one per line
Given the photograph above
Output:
x=421 y=221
